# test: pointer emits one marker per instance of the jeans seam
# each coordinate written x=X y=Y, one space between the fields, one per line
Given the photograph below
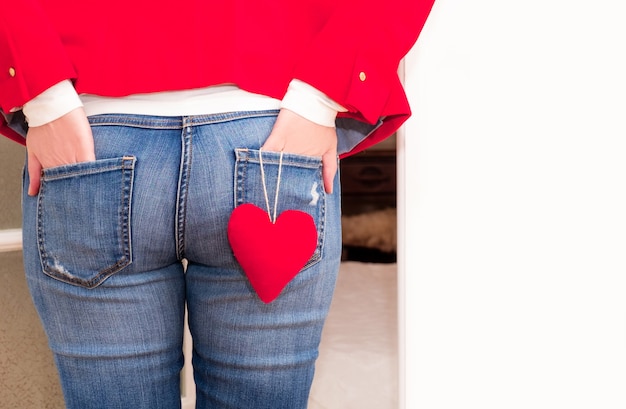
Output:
x=128 y=166
x=183 y=188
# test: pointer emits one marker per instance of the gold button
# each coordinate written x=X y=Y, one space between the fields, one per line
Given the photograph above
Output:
x=12 y=72
x=362 y=76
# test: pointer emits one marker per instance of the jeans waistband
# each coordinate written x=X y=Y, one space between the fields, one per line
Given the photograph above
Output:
x=174 y=122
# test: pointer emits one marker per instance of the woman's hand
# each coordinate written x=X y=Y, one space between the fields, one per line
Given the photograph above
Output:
x=63 y=141
x=295 y=134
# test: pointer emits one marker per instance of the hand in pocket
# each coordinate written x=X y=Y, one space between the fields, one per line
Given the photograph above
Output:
x=295 y=134
x=64 y=141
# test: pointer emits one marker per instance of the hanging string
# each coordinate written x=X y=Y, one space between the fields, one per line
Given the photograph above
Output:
x=267 y=201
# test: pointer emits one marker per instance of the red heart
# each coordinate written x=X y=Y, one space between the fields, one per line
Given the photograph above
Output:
x=271 y=254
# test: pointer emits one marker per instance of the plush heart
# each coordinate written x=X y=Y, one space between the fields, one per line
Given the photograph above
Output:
x=271 y=254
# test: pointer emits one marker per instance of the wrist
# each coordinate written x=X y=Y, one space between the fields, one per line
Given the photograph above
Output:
x=310 y=103
x=51 y=104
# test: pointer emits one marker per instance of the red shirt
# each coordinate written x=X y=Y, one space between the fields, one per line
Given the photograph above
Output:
x=348 y=49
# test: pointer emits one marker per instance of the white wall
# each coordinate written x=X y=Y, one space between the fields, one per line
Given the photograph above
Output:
x=514 y=204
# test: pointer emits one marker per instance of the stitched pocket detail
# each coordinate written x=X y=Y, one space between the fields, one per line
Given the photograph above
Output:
x=83 y=220
x=301 y=186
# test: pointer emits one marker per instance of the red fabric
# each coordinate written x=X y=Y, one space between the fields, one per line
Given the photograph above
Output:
x=271 y=254
x=122 y=47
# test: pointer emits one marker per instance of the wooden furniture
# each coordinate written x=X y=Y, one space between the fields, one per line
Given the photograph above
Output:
x=368 y=181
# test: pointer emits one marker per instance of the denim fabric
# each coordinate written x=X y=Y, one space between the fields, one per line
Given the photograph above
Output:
x=75 y=246
x=350 y=131
x=104 y=244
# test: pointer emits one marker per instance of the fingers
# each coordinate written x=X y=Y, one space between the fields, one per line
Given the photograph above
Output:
x=65 y=140
x=329 y=170
x=34 y=175
x=295 y=134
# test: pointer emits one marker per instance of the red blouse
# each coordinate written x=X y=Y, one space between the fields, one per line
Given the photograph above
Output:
x=348 y=49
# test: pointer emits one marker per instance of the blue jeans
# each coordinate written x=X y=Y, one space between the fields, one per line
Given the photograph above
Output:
x=104 y=245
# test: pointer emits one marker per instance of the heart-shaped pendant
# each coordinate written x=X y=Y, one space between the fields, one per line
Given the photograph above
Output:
x=271 y=254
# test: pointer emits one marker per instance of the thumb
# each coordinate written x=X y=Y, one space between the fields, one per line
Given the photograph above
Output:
x=34 y=174
x=329 y=170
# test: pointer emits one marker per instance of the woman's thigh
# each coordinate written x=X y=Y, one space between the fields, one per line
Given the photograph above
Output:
x=100 y=261
x=248 y=353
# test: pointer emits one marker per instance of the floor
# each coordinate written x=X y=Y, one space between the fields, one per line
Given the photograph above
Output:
x=28 y=378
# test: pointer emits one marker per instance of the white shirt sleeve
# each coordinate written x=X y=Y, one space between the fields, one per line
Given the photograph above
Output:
x=301 y=98
x=51 y=104
x=311 y=103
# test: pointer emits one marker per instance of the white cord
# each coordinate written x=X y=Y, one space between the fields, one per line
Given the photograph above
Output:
x=267 y=201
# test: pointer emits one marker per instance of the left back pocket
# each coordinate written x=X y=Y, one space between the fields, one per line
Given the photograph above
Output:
x=83 y=220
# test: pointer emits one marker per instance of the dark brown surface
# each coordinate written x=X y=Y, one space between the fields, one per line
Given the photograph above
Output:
x=368 y=181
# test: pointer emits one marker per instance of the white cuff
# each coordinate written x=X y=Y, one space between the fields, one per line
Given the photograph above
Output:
x=51 y=104
x=311 y=103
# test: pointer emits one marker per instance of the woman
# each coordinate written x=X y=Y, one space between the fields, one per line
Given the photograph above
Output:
x=147 y=127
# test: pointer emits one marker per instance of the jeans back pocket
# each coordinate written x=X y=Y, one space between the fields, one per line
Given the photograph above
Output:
x=83 y=220
x=300 y=186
